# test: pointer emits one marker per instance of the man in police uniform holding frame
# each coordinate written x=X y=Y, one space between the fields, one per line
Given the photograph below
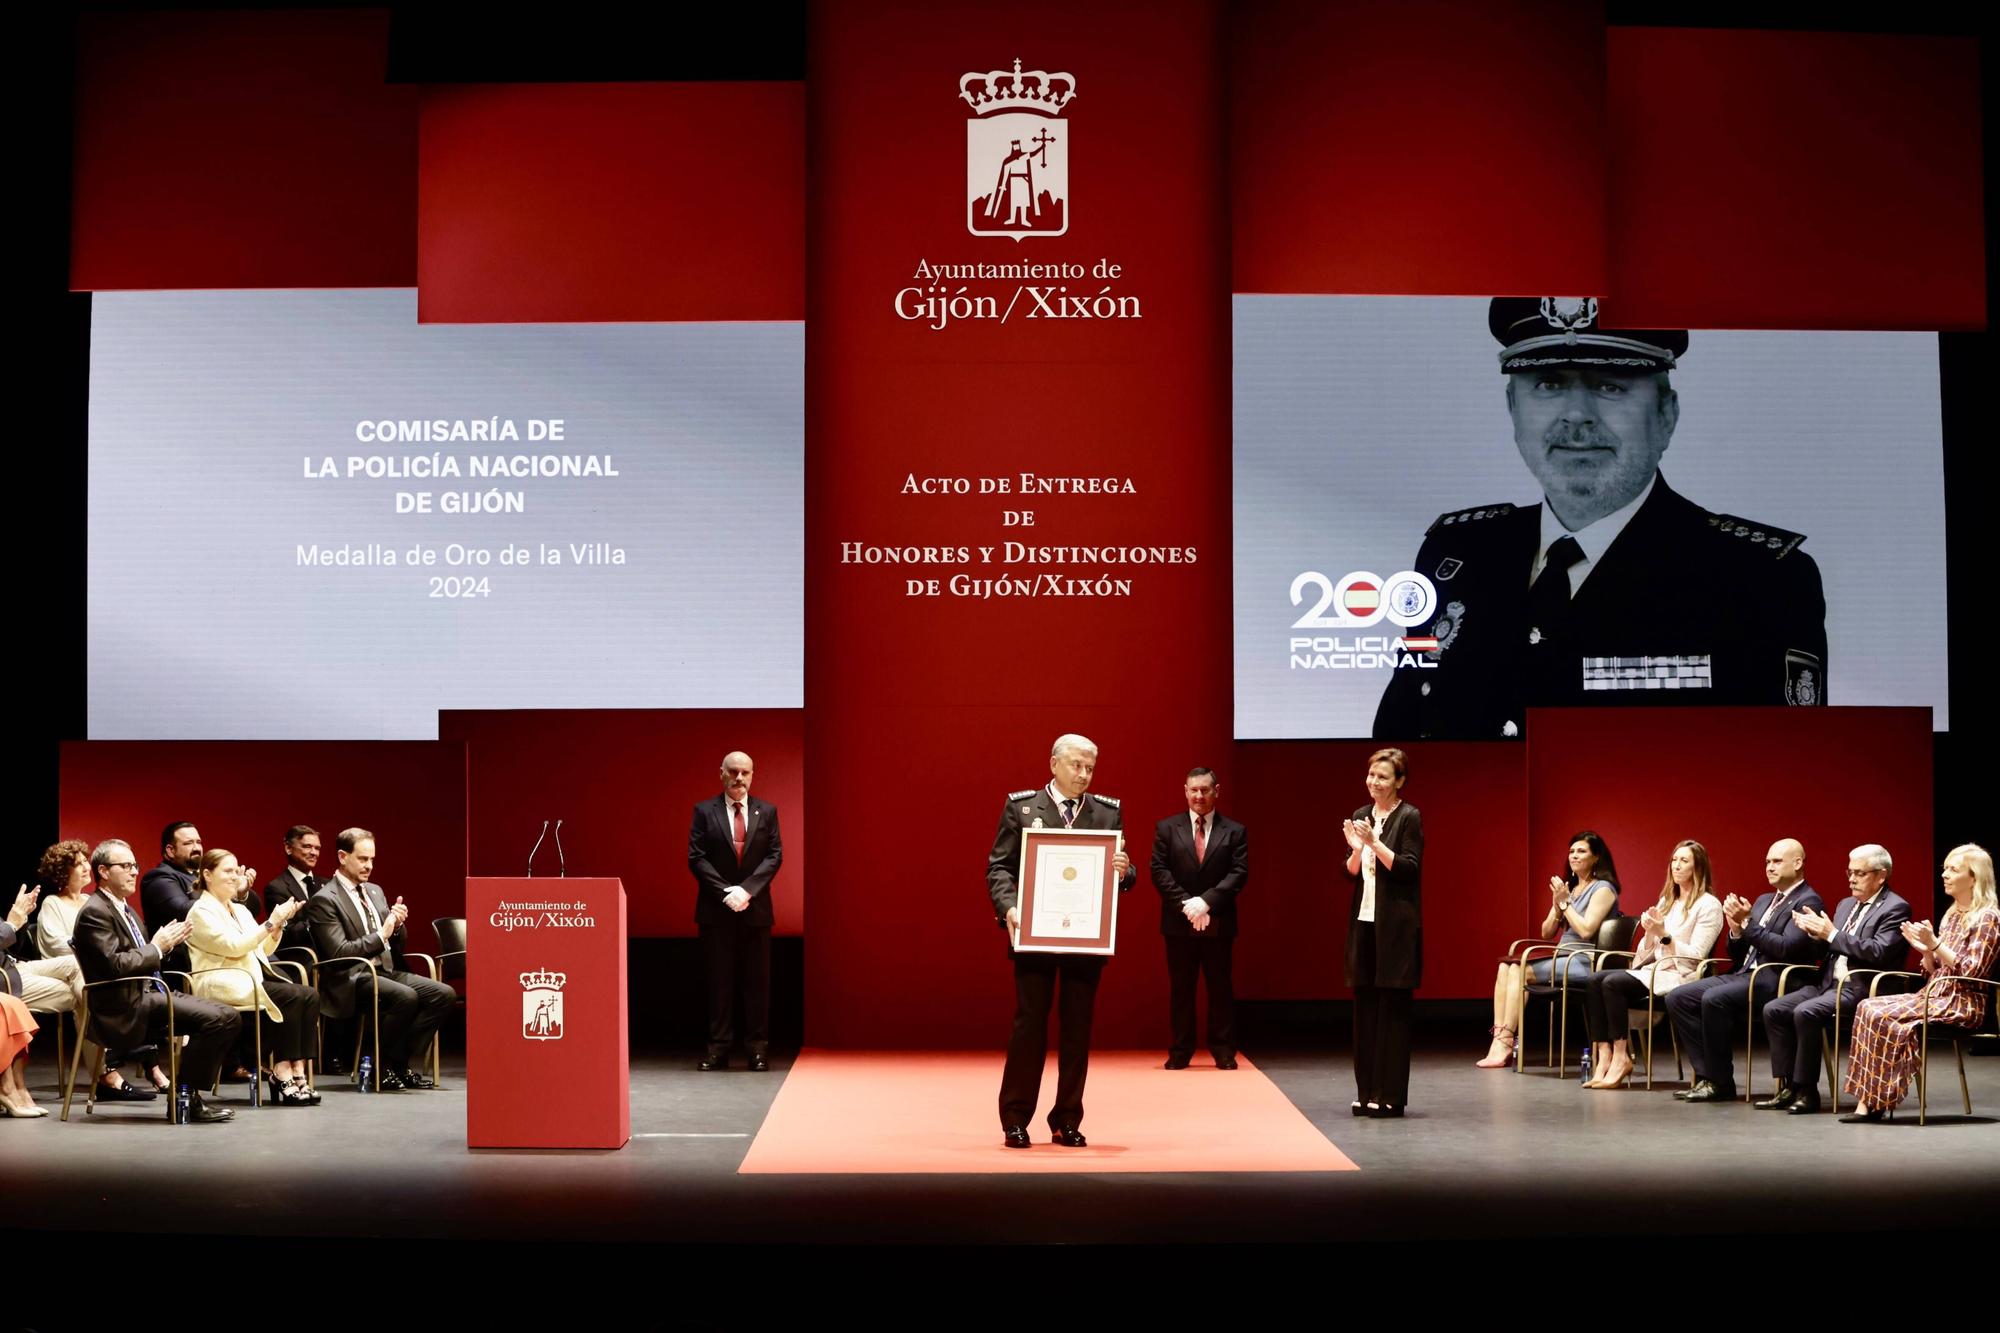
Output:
x=1614 y=589
x=1063 y=803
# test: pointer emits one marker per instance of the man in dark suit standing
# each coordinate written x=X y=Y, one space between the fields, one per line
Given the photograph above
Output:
x=1710 y=1014
x=1865 y=933
x=734 y=852
x=296 y=882
x=352 y=918
x=110 y=944
x=167 y=892
x=1201 y=861
x=1060 y=804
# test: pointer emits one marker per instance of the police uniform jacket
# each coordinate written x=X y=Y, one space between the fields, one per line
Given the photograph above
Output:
x=1685 y=607
x=1023 y=808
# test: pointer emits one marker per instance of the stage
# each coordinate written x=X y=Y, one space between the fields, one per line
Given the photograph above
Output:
x=1482 y=1156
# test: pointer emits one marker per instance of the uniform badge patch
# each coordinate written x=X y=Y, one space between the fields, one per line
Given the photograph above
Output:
x=1448 y=568
x=1446 y=628
x=1037 y=823
x=1805 y=679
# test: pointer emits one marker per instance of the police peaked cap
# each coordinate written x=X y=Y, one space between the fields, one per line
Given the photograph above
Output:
x=1564 y=331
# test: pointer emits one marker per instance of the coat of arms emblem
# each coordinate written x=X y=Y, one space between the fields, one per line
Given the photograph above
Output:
x=1017 y=152
x=542 y=1005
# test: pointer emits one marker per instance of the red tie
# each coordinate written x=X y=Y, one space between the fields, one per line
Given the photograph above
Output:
x=736 y=818
x=1200 y=837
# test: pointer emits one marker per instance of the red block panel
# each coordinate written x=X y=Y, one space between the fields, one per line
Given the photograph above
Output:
x=1795 y=180
x=243 y=795
x=241 y=150
x=625 y=783
x=1451 y=147
x=610 y=201
x=1735 y=780
x=1292 y=796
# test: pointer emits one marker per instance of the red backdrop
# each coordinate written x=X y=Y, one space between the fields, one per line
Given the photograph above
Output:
x=243 y=795
x=962 y=697
x=624 y=783
x=1735 y=780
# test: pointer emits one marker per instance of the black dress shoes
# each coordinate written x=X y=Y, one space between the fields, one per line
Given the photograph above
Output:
x=390 y=1081
x=1017 y=1136
x=1804 y=1103
x=1705 y=1091
x=124 y=1092
x=1177 y=1062
x=1692 y=1089
x=1385 y=1112
x=759 y=1064
x=1781 y=1100
x=1358 y=1109
x=713 y=1060
x=201 y=1113
x=1862 y=1118
x=412 y=1079
x=1225 y=1062
x=1069 y=1138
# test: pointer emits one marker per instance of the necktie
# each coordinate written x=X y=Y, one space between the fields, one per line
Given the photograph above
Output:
x=1200 y=837
x=1069 y=814
x=1548 y=599
x=1754 y=957
x=132 y=924
x=736 y=823
x=1853 y=926
x=368 y=910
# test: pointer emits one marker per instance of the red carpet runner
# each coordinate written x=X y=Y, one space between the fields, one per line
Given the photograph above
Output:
x=916 y=1112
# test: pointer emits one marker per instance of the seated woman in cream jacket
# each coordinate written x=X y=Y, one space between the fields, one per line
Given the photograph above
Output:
x=227 y=951
x=1678 y=932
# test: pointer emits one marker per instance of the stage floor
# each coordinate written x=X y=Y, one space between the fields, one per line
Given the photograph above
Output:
x=1481 y=1154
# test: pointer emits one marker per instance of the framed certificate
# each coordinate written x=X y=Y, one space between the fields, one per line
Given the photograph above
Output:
x=1069 y=890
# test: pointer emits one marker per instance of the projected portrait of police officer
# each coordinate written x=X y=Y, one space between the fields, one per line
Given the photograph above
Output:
x=1613 y=589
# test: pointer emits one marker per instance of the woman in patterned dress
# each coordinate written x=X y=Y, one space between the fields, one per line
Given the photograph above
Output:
x=1887 y=1031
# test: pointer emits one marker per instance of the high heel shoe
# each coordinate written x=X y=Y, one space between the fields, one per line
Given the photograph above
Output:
x=1599 y=1085
x=278 y=1086
x=8 y=1109
x=1504 y=1038
x=305 y=1090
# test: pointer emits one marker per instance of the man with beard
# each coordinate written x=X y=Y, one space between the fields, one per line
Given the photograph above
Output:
x=1614 y=589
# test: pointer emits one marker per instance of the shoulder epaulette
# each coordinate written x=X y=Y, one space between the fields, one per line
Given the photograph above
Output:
x=1022 y=795
x=1779 y=542
x=1458 y=516
x=1111 y=801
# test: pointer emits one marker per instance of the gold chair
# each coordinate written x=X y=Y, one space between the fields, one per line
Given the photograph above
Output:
x=83 y=1038
x=430 y=966
x=1880 y=974
x=56 y=1019
x=1960 y=1036
x=1613 y=935
x=1750 y=1006
x=1653 y=1015
x=363 y=1027
x=256 y=1031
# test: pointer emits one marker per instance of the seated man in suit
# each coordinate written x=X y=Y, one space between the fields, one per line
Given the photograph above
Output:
x=167 y=892
x=1201 y=861
x=1864 y=932
x=1058 y=804
x=734 y=853
x=110 y=943
x=296 y=882
x=352 y=918
x=1709 y=1014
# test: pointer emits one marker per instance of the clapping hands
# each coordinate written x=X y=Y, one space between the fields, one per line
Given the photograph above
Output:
x=1920 y=935
x=1816 y=924
x=24 y=903
x=1737 y=910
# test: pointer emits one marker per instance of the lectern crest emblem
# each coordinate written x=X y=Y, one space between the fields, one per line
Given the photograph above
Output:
x=1017 y=151
x=542 y=1005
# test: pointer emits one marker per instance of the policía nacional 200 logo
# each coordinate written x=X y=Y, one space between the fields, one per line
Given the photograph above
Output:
x=1017 y=152
x=542 y=1005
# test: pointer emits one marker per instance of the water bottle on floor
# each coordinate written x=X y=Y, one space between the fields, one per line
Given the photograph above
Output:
x=1583 y=1067
x=367 y=1073
x=183 y=1106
